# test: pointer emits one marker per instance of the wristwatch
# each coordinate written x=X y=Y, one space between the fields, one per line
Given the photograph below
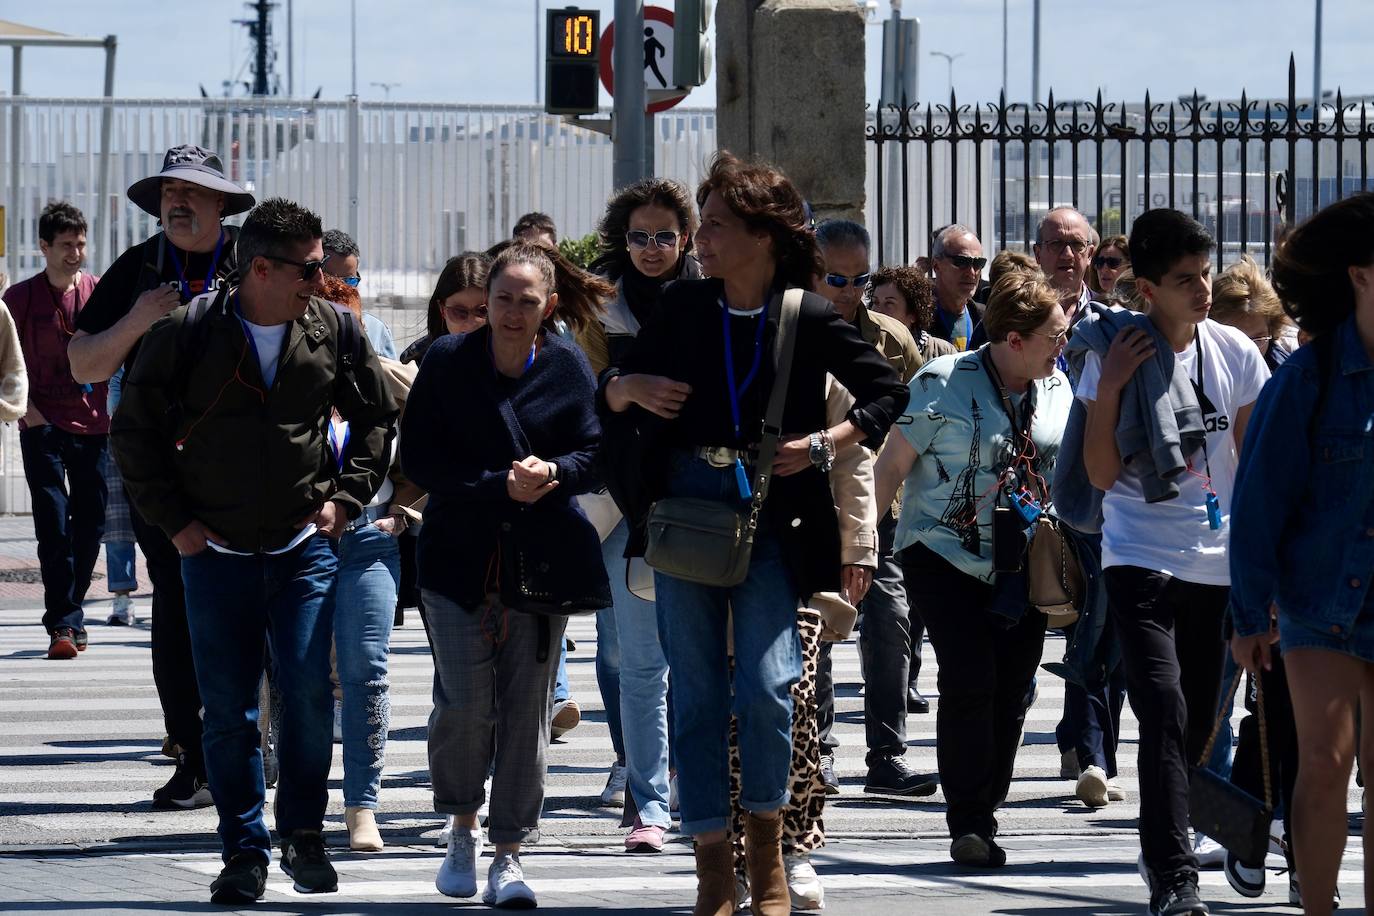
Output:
x=822 y=451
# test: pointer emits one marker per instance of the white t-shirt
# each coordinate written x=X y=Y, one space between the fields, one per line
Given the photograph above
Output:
x=267 y=341
x=1173 y=536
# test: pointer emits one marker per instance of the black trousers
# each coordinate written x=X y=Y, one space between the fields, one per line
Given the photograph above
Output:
x=1172 y=649
x=1247 y=771
x=986 y=665
x=174 y=671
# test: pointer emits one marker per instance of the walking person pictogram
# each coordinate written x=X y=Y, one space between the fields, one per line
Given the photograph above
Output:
x=653 y=51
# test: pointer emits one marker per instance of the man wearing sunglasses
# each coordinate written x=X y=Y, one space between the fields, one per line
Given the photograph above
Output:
x=957 y=257
x=1064 y=246
x=341 y=260
x=192 y=254
x=229 y=455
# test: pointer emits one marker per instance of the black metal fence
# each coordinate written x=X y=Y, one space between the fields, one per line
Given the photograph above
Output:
x=1242 y=168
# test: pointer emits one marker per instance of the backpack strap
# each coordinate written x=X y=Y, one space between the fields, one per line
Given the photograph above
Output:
x=350 y=354
x=152 y=257
x=191 y=336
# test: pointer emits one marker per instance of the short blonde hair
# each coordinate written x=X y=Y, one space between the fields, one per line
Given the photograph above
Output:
x=1006 y=261
x=1021 y=301
x=1242 y=289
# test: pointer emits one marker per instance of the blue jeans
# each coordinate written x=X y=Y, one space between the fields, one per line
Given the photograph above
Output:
x=120 y=572
x=67 y=493
x=643 y=689
x=561 y=688
x=364 y=608
x=608 y=676
x=762 y=611
x=232 y=604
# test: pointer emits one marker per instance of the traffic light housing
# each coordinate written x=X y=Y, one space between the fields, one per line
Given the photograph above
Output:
x=691 y=42
x=572 y=58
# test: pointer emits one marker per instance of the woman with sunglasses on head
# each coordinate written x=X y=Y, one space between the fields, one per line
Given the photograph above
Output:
x=1112 y=259
x=978 y=438
x=698 y=436
x=646 y=237
x=458 y=304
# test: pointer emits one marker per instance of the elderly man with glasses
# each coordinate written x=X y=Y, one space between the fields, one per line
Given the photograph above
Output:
x=958 y=261
x=1064 y=246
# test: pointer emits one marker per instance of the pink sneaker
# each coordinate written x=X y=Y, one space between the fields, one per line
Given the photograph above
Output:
x=644 y=838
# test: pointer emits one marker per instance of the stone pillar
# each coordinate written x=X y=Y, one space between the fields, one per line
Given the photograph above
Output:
x=790 y=91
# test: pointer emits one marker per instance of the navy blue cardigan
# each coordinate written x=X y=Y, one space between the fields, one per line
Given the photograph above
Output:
x=455 y=445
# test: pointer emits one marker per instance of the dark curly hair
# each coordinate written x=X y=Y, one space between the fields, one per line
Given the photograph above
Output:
x=662 y=192
x=767 y=201
x=914 y=287
x=1310 y=268
x=462 y=271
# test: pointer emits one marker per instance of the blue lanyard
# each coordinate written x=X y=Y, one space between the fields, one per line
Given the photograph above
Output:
x=735 y=392
x=209 y=276
x=338 y=446
x=248 y=333
x=529 y=360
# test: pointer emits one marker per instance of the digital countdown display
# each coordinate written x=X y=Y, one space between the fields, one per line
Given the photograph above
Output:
x=573 y=34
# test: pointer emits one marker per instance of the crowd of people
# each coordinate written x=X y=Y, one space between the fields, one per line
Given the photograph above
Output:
x=736 y=441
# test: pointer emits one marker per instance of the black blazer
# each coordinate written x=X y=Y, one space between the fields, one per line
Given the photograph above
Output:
x=684 y=341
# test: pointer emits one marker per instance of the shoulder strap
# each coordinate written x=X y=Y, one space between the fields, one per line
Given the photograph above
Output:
x=350 y=339
x=787 y=306
x=152 y=253
x=191 y=337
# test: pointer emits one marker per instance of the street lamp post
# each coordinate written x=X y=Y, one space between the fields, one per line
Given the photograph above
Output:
x=949 y=60
x=385 y=87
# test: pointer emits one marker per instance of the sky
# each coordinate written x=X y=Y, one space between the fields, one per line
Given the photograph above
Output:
x=485 y=51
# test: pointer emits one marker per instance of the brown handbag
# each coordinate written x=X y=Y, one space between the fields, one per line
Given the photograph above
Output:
x=1056 y=579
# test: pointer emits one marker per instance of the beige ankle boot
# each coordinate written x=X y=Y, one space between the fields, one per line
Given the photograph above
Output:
x=363 y=835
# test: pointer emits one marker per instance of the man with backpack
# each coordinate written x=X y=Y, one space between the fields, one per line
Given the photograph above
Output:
x=193 y=254
x=223 y=439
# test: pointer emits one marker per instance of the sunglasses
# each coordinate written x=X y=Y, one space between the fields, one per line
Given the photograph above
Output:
x=1108 y=261
x=309 y=269
x=353 y=281
x=840 y=281
x=459 y=313
x=639 y=239
x=964 y=262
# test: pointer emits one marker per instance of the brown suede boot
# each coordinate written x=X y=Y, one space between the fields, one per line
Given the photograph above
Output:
x=715 y=879
x=767 y=878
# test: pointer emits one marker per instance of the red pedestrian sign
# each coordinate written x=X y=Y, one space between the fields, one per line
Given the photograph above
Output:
x=658 y=57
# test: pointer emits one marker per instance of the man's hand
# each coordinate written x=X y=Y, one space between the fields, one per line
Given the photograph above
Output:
x=854 y=583
x=1131 y=347
x=194 y=538
x=153 y=304
x=34 y=417
x=528 y=480
x=330 y=519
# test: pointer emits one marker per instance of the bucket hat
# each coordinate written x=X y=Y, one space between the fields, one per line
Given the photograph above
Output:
x=198 y=166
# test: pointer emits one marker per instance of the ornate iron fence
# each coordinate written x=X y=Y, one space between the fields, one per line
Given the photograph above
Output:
x=1243 y=168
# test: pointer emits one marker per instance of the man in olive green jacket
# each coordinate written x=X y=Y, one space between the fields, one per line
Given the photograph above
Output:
x=223 y=438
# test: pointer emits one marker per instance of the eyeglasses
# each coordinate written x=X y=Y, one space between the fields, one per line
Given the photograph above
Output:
x=353 y=281
x=1057 y=340
x=459 y=313
x=1109 y=261
x=965 y=262
x=309 y=269
x=1077 y=246
x=639 y=239
x=840 y=281
x=1262 y=342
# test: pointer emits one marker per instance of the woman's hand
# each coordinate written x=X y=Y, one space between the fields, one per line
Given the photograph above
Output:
x=854 y=583
x=657 y=394
x=1252 y=652
x=530 y=480
x=1131 y=347
x=793 y=455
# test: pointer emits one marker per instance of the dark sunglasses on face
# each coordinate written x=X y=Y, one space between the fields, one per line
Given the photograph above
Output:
x=964 y=262
x=353 y=281
x=459 y=313
x=840 y=281
x=1109 y=261
x=639 y=239
x=309 y=269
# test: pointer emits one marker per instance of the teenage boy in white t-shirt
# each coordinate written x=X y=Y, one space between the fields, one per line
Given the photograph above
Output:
x=1165 y=562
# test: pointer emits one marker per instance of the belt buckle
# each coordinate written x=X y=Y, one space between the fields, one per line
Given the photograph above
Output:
x=718 y=456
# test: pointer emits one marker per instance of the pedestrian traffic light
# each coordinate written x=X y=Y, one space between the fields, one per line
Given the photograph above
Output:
x=572 y=57
x=691 y=42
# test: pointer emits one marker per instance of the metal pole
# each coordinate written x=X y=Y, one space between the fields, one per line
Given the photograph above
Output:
x=627 y=133
x=1317 y=64
x=538 y=52
x=355 y=118
x=650 y=141
x=1035 y=52
x=290 y=52
x=16 y=124
x=103 y=242
x=1004 y=49
x=353 y=18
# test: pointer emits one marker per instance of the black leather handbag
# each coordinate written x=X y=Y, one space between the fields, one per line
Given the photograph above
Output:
x=1226 y=813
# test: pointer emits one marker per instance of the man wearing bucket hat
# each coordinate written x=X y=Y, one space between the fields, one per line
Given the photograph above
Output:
x=191 y=254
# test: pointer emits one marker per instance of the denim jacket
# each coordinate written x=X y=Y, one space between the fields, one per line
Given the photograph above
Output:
x=1302 y=517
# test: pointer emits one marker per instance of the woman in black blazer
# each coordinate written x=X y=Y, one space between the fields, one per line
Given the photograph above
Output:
x=684 y=436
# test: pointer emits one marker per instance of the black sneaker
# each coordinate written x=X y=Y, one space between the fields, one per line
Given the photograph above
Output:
x=186 y=789
x=243 y=880
x=304 y=859
x=891 y=776
x=81 y=640
x=1177 y=897
x=832 y=785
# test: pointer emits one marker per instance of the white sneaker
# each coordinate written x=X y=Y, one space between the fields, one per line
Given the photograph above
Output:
x=122 y=614
x=1068 y=764
x=458 y=875
x=1210 y=853
x=613 y=796
x=506 y=885
x=442 y=839
x=1092 y=787
x=1115 y=792
x=338 y=721
x=803 y=885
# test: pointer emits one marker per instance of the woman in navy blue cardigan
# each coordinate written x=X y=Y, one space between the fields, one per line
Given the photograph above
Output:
x=494 y=668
